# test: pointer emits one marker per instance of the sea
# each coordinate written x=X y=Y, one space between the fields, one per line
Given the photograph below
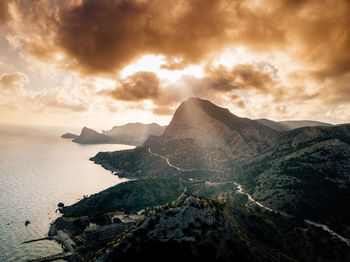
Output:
x=39 y=169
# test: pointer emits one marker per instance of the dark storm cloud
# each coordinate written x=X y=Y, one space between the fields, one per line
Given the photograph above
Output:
x=4 y=15
x=137 y=87
x=145 y=86
x=101 y=37
x=105 y=36
x=242 y=76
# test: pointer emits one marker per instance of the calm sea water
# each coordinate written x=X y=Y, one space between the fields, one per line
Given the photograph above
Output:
x=38 y=169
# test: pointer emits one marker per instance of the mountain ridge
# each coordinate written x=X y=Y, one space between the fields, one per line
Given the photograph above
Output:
x=275 y=180
x=255 y=155
x=288 y=125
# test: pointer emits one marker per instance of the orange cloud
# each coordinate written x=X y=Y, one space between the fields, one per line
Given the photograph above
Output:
x=95 y=37
x=102 y=37
x=54 y=99
x=13 y=82
x=218 y=81
x=4 y=15
x=139 y=86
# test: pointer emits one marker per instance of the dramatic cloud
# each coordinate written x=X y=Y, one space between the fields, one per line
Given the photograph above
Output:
x=218 y=81
x=146 y=86
x=296 y=54
x=105 y=36
x=102 y=37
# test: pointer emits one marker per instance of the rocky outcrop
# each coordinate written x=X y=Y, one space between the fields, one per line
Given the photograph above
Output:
x=90 y=136
x=189 y=229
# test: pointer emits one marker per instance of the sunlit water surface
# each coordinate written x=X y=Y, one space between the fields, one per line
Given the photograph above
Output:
x=38 y=169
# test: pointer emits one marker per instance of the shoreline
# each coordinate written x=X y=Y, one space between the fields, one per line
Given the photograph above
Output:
x=63 y=238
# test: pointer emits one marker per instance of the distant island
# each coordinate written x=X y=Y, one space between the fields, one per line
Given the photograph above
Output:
x=217 y=186
x=129 y=134
x=69 y=135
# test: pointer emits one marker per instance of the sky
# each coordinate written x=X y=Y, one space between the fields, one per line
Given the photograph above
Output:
x=101 y=63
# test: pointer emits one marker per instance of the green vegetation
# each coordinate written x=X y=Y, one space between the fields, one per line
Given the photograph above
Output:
x=133 y=196
x=129 y=197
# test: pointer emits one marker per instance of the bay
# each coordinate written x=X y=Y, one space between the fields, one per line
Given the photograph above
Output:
x=38 y=169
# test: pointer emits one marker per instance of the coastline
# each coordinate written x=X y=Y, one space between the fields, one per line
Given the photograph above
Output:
x=63 y=238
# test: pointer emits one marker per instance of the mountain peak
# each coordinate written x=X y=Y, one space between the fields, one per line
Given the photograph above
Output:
x=86 y=129
x=69 y=135
x=197 y=113
x=203 y=103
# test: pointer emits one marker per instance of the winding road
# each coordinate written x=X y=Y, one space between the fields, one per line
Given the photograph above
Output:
x=240 y=190
x=170 y=164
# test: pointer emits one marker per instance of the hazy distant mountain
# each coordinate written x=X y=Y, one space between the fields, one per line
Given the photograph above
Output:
x=134 y=133
x=130 y=134
x=69 y=135
x=291 y=124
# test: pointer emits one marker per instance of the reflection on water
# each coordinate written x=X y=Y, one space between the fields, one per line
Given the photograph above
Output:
x=38 y=169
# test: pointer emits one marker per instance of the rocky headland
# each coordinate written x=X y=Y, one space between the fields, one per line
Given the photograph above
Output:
x=129 y=134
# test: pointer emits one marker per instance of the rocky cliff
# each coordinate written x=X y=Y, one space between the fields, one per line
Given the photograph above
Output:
x=90 y=136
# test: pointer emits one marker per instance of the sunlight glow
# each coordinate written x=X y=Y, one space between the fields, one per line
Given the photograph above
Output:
x=153 y=63
x=59 y=56
x=103 y=84
x=232 y=56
